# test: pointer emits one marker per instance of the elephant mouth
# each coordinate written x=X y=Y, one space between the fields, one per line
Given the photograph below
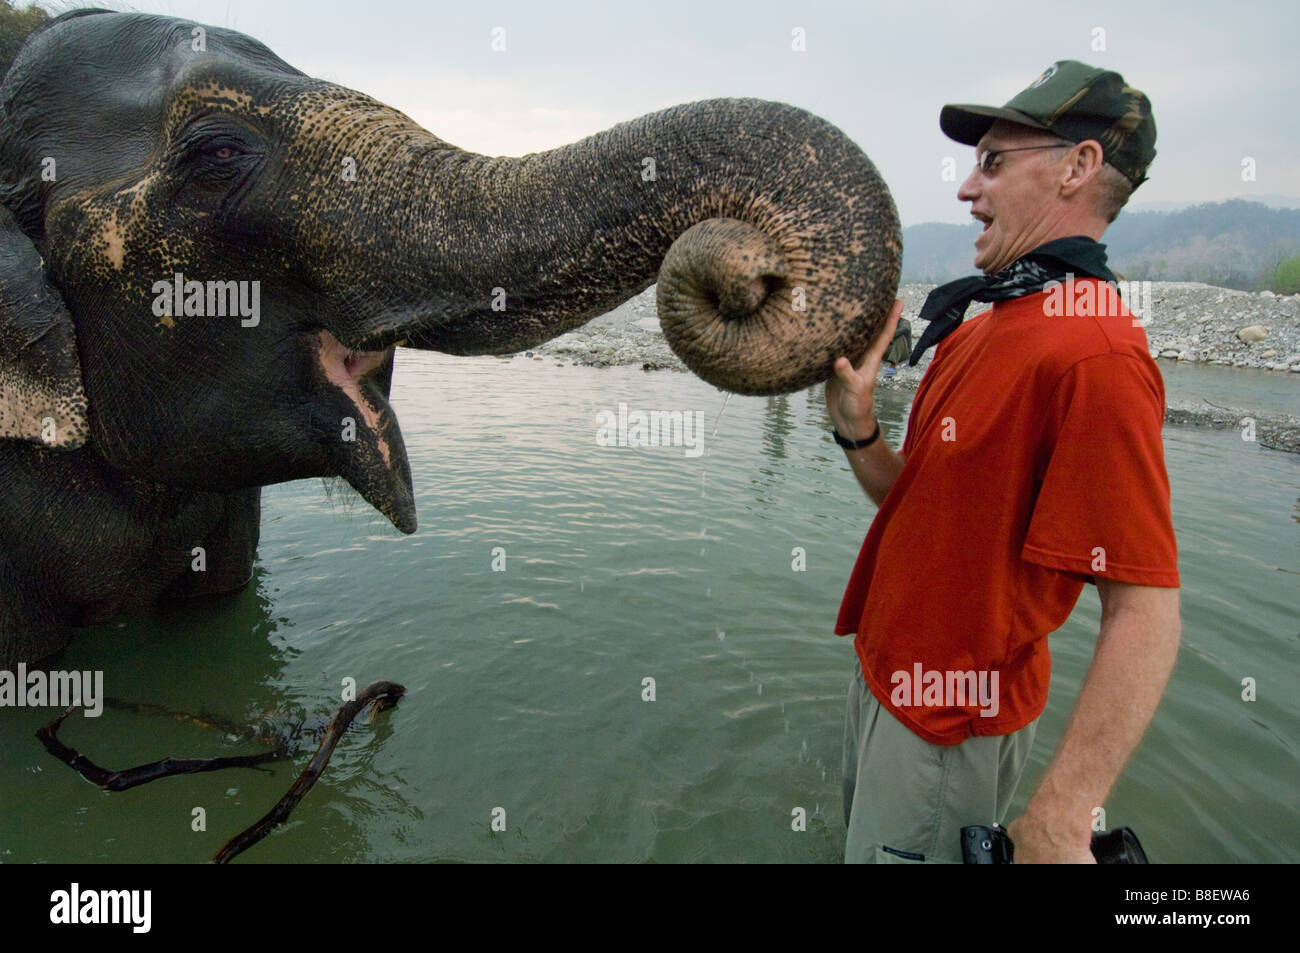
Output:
x=346 y=369
x=370 y=453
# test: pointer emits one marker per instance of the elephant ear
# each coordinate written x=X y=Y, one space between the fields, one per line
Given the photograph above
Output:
x=41 y=397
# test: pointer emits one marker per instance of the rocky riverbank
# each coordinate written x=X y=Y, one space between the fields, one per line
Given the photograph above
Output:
x=1185 y=321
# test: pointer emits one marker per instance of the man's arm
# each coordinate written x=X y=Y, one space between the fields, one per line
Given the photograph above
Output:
x=1135 y=654
x=876 y=466
x=850 y=401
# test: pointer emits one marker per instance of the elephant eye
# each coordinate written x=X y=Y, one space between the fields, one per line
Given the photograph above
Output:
x=214 y=159
x=221 y=149
x=214 y=148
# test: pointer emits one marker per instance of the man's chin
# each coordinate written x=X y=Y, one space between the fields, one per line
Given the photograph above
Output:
x=985 y=254
x=987 y=264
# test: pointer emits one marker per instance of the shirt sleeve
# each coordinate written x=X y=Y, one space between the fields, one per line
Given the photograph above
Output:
x=1102 y=508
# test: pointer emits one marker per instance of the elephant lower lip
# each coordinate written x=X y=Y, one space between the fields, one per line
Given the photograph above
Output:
x=344 y=368
x=370 y=454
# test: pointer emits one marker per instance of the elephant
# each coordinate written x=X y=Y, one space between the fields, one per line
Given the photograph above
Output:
x=207 y=259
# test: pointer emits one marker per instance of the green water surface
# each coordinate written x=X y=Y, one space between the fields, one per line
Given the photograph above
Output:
x=525 y=687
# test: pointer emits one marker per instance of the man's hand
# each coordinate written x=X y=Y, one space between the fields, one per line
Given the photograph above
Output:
x=1035 y=844
x=849 y=394
x=1130 y=666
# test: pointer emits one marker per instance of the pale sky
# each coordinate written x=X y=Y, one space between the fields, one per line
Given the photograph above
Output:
x=1223 y=78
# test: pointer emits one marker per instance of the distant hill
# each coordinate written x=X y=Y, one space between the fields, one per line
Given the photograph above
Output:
x=1264 y=198
x=1233 y=244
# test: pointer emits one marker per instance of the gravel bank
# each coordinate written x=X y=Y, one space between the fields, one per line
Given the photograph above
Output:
x=1187 y=321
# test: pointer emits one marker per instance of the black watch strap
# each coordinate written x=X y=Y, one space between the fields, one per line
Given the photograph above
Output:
x=856 y=444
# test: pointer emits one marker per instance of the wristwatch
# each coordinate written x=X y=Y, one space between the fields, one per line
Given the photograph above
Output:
x=856 y=444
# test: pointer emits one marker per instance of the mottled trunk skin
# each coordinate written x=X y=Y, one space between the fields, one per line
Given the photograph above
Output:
x=782 y=243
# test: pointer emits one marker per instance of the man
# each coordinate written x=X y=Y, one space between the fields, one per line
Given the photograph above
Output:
x=900 y=347
x=1032 y=464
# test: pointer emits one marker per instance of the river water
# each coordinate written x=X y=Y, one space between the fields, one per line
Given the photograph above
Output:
x=527 y=687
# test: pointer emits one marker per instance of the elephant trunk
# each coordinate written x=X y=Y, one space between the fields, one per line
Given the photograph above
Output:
x=775 y=243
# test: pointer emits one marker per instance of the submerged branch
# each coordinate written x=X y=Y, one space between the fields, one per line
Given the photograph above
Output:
x=131 y=777
x=383 y=695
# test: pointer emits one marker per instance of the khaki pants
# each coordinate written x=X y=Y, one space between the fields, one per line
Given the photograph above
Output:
x=906 y=800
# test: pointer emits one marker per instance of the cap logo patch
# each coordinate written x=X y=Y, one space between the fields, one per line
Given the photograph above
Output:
x=1047 y=74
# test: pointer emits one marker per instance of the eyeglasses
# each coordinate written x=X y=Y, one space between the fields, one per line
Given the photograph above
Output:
x=985 y=162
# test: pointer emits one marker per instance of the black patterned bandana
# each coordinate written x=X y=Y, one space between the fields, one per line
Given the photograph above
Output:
x=946 y=305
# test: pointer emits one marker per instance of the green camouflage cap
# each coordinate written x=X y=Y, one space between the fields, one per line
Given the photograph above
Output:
x=1076 y=102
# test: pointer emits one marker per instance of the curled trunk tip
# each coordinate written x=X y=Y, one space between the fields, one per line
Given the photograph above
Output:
x=738 y=309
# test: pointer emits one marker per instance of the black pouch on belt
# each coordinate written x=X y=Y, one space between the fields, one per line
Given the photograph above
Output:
x=991 y=845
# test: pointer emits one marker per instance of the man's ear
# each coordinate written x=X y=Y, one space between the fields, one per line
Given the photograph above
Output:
x=41 y=397
x=1086 y=159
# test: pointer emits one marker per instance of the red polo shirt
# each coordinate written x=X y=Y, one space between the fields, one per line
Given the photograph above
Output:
x=1033 y=461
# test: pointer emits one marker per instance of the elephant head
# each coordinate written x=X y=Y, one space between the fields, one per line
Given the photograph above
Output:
x=232 y=250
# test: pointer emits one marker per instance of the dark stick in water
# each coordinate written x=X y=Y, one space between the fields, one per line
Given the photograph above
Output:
x=130 y=777
x=384 y=695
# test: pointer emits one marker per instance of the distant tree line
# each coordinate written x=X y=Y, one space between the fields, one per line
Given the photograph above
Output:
x=1285 y=277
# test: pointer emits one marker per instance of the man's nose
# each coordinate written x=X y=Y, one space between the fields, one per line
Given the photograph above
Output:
x=968 y=191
